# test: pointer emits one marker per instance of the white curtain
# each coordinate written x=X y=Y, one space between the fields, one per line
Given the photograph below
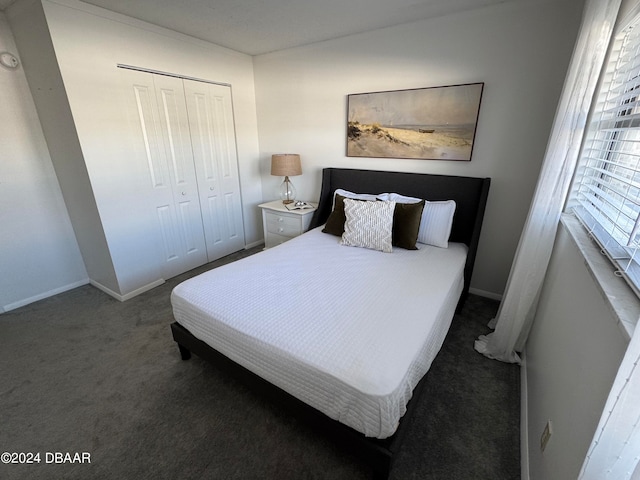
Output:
x=615 y=448
x=517 y=310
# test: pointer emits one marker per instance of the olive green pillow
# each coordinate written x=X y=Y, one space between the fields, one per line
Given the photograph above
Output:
x=335 y=222
x=406 y=224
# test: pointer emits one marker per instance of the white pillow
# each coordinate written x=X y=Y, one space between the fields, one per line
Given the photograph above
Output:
x=436 y=220
x=348 y=194
x=436 y=223
x=396 y=197
x=368 y=224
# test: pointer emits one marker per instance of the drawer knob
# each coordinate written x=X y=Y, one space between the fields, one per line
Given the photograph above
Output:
x=280 y=219
x=281 y=229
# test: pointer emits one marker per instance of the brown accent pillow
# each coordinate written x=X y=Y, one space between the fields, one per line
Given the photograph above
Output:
x=406 y=223
x=335 y=222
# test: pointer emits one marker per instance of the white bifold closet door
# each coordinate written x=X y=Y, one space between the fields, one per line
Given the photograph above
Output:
x=214 y=151
x=185 y=131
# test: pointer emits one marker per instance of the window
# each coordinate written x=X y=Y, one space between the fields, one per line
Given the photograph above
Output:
x=605 y=194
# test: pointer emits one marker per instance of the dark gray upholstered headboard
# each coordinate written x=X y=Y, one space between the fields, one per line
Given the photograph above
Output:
x=469 y=193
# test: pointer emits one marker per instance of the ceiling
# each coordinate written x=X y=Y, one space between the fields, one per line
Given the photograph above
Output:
x=260 y=26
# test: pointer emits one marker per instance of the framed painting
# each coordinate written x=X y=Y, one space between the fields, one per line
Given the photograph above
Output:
x=437 y=123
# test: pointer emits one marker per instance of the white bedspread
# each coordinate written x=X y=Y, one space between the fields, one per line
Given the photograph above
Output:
x=347 y=330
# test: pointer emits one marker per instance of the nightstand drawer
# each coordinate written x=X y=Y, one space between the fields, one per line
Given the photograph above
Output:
x=283 y=225
x=273 y=240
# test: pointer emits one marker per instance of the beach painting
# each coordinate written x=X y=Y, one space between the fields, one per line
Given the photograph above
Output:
x=437 y=123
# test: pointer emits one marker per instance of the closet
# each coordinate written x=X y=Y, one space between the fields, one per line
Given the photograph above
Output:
x=184 y=130
x=147 y=162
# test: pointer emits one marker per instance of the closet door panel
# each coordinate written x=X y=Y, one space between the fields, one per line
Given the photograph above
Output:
x=177 y=144
x=155 y=112
x=175 y=127
x=170 y=236
x=204 y=146
x=214 y=220
x=216 y=162
x=233 y=216
x=151 y=136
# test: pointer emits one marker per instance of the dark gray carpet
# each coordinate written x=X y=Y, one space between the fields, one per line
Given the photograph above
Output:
x=83 y=372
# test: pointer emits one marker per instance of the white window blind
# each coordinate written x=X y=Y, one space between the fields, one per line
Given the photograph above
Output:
x=605 y=194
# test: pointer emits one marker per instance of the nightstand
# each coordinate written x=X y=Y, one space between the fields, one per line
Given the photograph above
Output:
x=281 y=224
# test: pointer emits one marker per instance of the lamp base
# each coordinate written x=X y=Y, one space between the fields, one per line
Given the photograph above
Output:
x=287 y=191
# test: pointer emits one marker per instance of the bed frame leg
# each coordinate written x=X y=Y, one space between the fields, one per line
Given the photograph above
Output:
x=382 y=469
x=380 y=475
x=185 y=353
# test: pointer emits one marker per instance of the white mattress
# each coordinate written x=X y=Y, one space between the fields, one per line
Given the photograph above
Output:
x=347 y=330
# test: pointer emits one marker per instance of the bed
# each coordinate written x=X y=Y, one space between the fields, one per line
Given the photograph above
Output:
x=344 y=336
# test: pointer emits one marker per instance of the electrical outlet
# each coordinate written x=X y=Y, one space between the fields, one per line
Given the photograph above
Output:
x=546 y=435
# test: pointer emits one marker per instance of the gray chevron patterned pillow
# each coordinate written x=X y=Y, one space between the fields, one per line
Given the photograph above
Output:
x=368 y=224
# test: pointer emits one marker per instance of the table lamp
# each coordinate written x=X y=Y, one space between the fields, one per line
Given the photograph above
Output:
x=286 y=164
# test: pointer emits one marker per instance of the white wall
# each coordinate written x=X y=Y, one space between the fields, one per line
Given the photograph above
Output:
x=88 y=43
x=520 y=50
x=572 y=356
x=39 y=254
x=39 y=61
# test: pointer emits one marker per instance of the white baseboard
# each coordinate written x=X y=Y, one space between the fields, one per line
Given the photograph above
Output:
x=524 y=419
x=127 y=296
x=106 y=290
x=483 y=293
x=143 y=289
x=41 y=296
x=253 y=244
